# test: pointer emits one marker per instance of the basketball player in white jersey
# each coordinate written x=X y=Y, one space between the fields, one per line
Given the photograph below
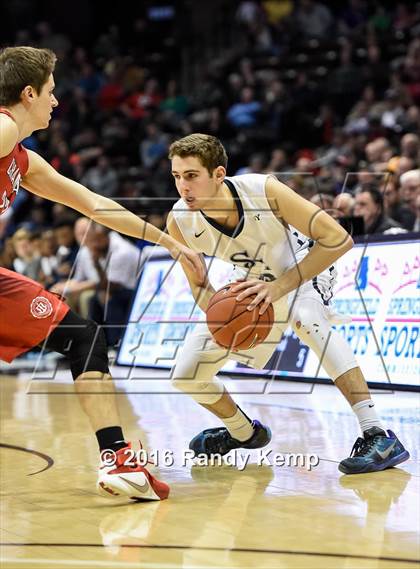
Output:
x=284 y=247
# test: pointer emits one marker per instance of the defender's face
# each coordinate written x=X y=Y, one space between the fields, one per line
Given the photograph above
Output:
x=194 y=183
x=43 y=104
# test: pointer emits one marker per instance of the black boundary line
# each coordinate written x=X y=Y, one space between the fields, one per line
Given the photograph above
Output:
x=234 y=550
x=46 y=457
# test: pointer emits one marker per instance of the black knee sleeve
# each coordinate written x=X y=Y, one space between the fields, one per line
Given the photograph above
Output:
x=82 y=341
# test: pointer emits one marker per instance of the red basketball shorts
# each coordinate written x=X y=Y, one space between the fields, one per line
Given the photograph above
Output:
x=28 y=314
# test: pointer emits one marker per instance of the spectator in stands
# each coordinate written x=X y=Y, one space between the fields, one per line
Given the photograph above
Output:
x=102 y=178
x=405 y=164
x=153 y=146
x=49 y=260
x=248 y=11
x=7 y=254
x=410 y=189
x=370 y=205
x=343 y=205
x=410 y=146
x=28 y=260
x=174 y=101
x=108 y=264
x=393 y=113
x=393 y=206
x=142 y=101
x=64 y=161
x=67 y=247
x=244 y=113
x=379 y=151
x=313 y=19
x=323 y=201
x=90 y=80
x=255 y=165
x=111 y=93
x=278 y=162
x=81 y=227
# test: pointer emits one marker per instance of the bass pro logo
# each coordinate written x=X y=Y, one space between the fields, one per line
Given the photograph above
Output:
x=41 y=307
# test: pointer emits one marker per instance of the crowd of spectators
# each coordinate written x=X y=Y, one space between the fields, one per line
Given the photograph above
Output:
x=326 y=95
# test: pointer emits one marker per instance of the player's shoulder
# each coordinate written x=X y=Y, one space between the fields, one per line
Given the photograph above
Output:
x=251 y=178
x=9 y=135
x=249 y=184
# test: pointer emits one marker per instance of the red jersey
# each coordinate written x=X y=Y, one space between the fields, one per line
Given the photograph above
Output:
x=28 y=313
x=12 y=168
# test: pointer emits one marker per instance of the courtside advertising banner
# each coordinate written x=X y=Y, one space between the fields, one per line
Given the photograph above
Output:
x=378 y=286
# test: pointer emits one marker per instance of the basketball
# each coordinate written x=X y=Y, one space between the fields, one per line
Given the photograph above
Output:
x=232 y=325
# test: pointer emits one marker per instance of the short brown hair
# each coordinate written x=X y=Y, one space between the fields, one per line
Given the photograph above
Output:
x=208 y=149
x=23 y=66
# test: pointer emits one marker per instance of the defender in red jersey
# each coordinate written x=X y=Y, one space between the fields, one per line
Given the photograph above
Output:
x=29 y=314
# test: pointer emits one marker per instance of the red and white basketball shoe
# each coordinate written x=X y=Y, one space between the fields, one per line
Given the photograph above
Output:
x=120 y=474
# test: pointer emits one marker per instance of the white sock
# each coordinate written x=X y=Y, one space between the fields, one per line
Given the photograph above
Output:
x=239 y=426
x=366 y=414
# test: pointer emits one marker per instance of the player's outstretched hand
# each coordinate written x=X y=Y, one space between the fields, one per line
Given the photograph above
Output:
x=191 y=258
x=265 y=293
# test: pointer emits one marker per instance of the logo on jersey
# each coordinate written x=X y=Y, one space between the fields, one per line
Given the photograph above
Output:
x=15 y=177
x=243 y=259
x=41 y=307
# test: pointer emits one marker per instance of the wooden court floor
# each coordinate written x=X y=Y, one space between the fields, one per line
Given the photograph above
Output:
x=219 y=516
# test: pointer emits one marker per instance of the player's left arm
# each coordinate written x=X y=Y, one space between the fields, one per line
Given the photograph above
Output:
x=331 y=242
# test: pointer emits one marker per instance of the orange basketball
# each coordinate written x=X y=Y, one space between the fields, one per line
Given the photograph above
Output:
x=232 y=325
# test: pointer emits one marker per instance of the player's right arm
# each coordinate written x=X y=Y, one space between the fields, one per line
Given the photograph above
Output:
x=44 y=181
x=201 y=291
x=8 y=135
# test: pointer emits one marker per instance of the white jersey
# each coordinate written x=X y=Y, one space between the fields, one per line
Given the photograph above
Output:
x=260 y=247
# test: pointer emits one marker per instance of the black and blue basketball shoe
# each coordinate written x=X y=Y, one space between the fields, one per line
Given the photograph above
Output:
x=219 y=441
x=376 y=450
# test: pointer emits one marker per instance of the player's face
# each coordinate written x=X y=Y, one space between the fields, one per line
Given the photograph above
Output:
x=43 y=105
x=194 y=183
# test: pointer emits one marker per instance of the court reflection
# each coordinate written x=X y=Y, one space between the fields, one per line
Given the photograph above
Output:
x=220 y=512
